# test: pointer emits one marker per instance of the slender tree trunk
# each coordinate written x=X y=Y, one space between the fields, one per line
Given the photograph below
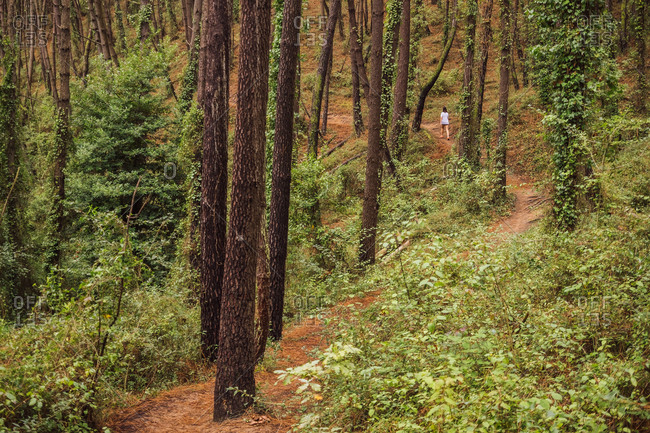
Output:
x=326 y=103
x=486 y=38
x=419 y=110
x=399 y=127
x=63 y=135
x=373 y=155
x=187 y=8
x=282 y=152
x=213 y=94
x=119 y=18
x=235 y=380
x=323 y=62
x=446 y=26
x=355 y=55
x=466 y=141
x=504 y=90
x=640 y=34
x=517 y=43
x=196 y=27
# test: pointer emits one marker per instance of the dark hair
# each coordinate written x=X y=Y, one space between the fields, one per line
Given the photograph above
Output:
x=444 y=109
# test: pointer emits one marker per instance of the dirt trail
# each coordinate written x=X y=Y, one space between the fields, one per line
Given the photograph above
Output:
x=188 y=409
x=528 y=202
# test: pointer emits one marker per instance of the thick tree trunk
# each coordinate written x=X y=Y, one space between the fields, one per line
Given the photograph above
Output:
x=504 y=90
x=317 y=98
x=399 y=126
x=373 y=155
x=486 y=38
x=419 y=110
x=282 y=152
x=466 y=148
x=235 y=380
x=213 y=94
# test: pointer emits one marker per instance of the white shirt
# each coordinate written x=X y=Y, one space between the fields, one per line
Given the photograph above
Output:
x=444 y=118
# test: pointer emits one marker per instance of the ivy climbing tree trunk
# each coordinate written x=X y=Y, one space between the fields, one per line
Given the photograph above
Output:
x=63 y=135
x=466 y=145
x=640 y=35
x=504 y=93
x=282 y=151
x=213 y=94
x=399 y=126
x=235 y=380
x=373 y=162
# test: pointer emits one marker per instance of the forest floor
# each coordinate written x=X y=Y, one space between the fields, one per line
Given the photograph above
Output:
x=188 y=409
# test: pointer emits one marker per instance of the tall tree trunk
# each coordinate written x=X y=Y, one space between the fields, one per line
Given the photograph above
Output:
x=187 y=8
x=63 y=137
x=317 y=98
x=235 y=380
x=399 y=127
x=326 y=103
x=213 y=94
x=119 y=18
x=486 y=38
x=373 y=162
x=196 y=27
x=419 y=110
x=446 y=26
x=466 y=148
x=282 y=152
x=355 y=55
x=640 y=34
x=388 y=74
x=504 y=90
x=145 y=20
x=517 y=43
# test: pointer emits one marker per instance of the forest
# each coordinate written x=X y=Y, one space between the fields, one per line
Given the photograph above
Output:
x=390 y=216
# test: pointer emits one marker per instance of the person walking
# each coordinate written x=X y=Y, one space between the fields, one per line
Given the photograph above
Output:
x=444 y=122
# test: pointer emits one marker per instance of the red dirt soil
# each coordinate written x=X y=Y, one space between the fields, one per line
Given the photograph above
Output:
x=188 y=409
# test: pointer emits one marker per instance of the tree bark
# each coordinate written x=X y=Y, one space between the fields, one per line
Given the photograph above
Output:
x=486 y=38
x=504 y=90
x=399 y=126
x=466 y=148
x=373 y=162
x=281 y=172
x=419 y=110
x=355 y=55
x=235 y=380
x=213 y=94
x=145 y=27
x=317 y=98
x=326 y=103
x=63 y=134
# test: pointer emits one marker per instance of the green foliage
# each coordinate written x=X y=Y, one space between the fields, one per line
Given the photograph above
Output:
x=570 y=66
x=116 y=337
x=122 y=159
